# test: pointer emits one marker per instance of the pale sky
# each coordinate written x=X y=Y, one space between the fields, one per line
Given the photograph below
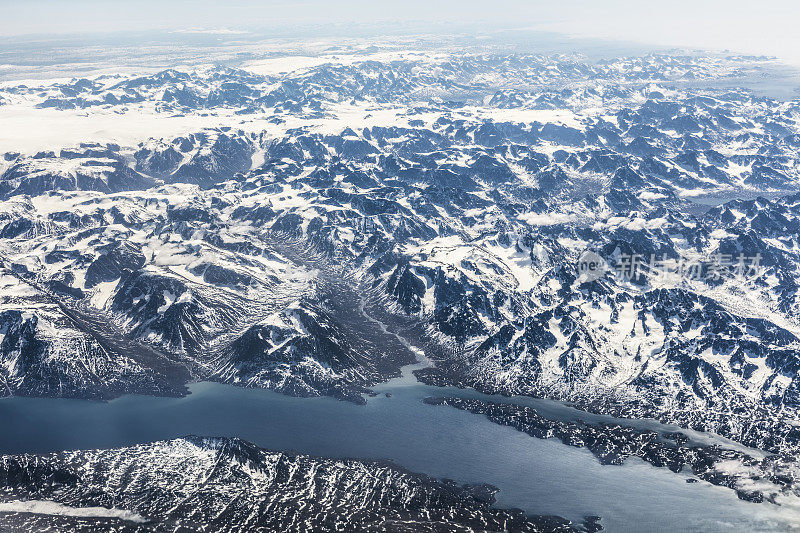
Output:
x=764 y=27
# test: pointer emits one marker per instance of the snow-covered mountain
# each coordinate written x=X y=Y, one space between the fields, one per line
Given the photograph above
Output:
x=310 y=232
x=194 y=483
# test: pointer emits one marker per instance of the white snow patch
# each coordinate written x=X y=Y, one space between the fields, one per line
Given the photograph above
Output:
x=57 y=509
x=169 y=299
x=103 y=292
x=548 y=219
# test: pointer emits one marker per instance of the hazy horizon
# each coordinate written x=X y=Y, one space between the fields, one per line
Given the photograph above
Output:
x=734 y=26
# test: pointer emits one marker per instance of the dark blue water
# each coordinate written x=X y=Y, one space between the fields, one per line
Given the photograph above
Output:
x=540 y=476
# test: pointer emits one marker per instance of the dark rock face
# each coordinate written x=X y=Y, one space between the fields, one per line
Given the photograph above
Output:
x=165 y=310
x=407 y=288
x=91 y=168
x=217 y=160
x=301 y=352
x=111 y=264
x=159 y=159
x=74 y=364
x=197 y=484
x=15 y=228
